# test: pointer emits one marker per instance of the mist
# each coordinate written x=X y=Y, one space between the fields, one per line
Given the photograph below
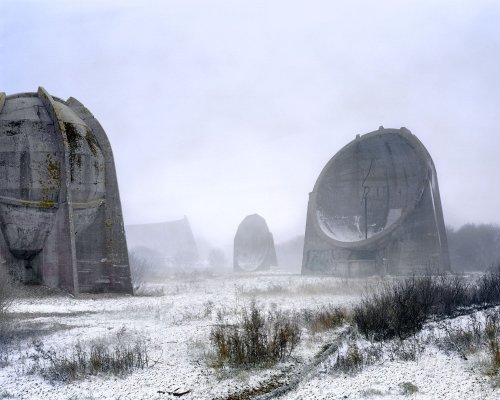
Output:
x=217 y=110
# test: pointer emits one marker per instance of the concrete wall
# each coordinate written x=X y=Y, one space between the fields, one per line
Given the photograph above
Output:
x=60 y=213
x=375 y=209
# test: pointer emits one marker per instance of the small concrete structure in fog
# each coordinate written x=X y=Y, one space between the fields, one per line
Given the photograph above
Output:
x=253 y=245
x=60 y=213
x=376 y=209
x=173 y=240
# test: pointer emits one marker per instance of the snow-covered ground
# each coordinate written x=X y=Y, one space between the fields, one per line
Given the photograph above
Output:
x=176 y=327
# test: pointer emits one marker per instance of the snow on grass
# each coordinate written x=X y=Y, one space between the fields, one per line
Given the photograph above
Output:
x=176 y=327
x=435 y=375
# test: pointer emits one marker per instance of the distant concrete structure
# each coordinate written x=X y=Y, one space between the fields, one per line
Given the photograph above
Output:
x=60 y=213
x=376 y=209
x=174 y=240
x=253 y=245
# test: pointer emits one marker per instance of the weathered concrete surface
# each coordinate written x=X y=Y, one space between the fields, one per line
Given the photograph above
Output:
x=376 y=209
x=253 y=245
x=60 y=213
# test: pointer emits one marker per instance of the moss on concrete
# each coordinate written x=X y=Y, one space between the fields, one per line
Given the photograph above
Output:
x=91 y=141
x=74 y=145
x=46 y=204
x=54 y=170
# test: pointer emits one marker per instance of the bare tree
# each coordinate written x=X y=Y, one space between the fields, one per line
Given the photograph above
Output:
x=139 y=268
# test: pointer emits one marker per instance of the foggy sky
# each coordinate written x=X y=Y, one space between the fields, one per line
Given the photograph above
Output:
x=220 y=109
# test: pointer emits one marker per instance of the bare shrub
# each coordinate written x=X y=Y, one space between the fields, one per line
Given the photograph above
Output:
x=451 y=294
x=401 y=308
x=258 y=338
x=350 y=361
x=139 y=268
x=4 y=356
x=464 y=339
x=324 y=318
x=408 y=388
x=117 y=357
x=356 y=354
x=373 y=354
x=396 y=310
x=208 y=308
x=492 y=331
x=405 y=350
x=473 y=337
x=4 y=394
x=487 y=289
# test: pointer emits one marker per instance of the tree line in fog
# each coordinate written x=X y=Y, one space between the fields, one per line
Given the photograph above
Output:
x=474 y=247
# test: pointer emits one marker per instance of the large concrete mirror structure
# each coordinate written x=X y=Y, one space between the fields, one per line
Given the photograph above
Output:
x=254 y=245
x=376 y=209
x=60 y=213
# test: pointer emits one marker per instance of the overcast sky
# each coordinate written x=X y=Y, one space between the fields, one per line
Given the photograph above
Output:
x=220 y=109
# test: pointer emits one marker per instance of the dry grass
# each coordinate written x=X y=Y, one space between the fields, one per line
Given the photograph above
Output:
x=322 y=286
x=464 y=339
x=145 y=290
x=257 y=339
x=324 y=318
x=351 y=361
x=355 y=354
x=492 y=333
x=272 y=289
x=111 y=356
x=337 y=287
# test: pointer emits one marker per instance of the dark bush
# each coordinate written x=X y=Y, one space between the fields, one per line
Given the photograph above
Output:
x=487 y=288
x=400 y=309
x=451 y=293
x=396 y=310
